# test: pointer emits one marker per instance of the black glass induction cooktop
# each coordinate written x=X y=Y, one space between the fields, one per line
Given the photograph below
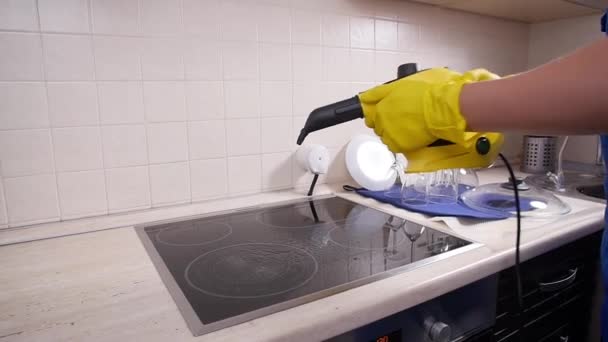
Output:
x=232 y=267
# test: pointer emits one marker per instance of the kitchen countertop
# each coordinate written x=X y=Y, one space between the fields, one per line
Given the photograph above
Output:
x=91 y=279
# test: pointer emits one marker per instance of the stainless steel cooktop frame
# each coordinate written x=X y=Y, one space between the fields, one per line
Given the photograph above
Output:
x=198 y=328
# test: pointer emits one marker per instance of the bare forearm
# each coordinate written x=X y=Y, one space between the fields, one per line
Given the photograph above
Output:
x=566 y=96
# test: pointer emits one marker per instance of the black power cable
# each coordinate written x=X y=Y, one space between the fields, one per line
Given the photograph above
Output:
x=312 y=185
x=519 y=294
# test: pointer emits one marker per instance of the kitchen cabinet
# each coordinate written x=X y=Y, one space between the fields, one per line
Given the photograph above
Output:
x=558 y=289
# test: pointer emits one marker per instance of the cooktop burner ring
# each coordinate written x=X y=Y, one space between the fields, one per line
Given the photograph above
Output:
x=350 y=240
x=259 y=217
x=252 y=274
x=225 y=228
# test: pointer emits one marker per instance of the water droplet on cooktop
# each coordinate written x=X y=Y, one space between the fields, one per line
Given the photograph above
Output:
x=193 y=233
x=251 y=270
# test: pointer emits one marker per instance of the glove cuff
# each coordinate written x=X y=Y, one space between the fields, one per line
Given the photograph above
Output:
x=442 y=112
x=442 y=106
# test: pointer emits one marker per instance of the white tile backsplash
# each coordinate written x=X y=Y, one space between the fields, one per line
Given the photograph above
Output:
x=169 y=183
x=334 y=68
x=275 y=62
x=204 y=100
x=407 y=36
x=162 y=59
x=276 y=99
x=362 y=33
x=26 y=152
x=115 y=16
x=124 y=145
x=386 y=64
x=274 y=24
x=242 y=99
x=167 y=142
x=362 y=65
x=306 y=62
x=23 y=105
x=82 y=193
x=337 y=167
x=18 y=15
x=202 y=17
x=64 y=15
x=207 y=139
x=429 y=37
x=208 y=178
x=31 y=199
x=73 y=104
x=239 y=21
x=68 y=57
x=164 y=101
x=307 y=96
x=120 y=102
x=244 y=174
x=240 y=61
x=336 y=91
x=161 y=17
x=202 y=59
x=276 y=171
x=117 y=58
x=207 y=96
x=21 y=57
x=128 y=188
x=77 y=148
x=335 y=30
x=386 y=35
x=243 y=137
x=306 y=27
x=277 y=135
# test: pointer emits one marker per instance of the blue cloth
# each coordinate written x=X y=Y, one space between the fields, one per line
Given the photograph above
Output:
x=457 y=209
x=434 y=209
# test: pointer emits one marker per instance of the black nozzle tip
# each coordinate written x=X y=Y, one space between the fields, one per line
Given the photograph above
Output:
x=301 y=137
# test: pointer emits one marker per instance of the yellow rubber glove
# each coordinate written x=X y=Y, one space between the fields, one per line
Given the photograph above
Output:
x=417 y=110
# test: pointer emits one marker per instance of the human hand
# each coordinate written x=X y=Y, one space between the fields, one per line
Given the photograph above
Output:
x=413 y=112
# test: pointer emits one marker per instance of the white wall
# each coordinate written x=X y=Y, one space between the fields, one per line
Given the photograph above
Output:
x=118 y=105
x=558 y=38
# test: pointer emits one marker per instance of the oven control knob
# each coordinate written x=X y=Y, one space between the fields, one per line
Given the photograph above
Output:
x=438 y=331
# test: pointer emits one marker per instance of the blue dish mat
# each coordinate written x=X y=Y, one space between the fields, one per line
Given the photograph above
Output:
x=458 y=209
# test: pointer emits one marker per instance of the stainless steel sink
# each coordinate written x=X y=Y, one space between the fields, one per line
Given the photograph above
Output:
x=596 y=191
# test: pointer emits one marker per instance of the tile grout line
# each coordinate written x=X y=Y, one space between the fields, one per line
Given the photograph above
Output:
x=143 y=101
x=291 y=100
x=184 y=99
x=224 y=102
x=99 y=126
x=50 y=129
x=259 y=52
x=134 y=165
